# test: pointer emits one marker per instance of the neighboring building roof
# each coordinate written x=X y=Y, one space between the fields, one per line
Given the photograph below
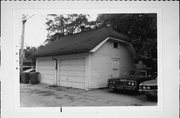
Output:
x=79 y=43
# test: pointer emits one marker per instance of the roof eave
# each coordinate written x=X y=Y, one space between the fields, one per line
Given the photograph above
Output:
x=58 y=54
x=131 y=48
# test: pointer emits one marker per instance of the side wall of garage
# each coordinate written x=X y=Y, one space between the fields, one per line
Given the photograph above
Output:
x=108 y=62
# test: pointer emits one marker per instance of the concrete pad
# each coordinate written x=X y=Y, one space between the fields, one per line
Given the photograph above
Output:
x=41 y=95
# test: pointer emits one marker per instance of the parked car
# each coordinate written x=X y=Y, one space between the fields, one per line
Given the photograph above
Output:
x=130 y=80
x=149 y=88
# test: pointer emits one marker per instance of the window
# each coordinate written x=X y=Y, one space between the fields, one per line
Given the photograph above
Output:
x=115 y=45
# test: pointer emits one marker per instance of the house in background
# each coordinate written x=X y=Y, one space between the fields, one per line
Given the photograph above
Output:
x=85 y=60
x=27 y=64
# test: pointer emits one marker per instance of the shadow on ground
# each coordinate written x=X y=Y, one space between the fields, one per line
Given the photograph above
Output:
x=43 y=95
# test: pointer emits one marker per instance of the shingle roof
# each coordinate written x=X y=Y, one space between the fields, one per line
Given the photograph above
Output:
x=78 y=43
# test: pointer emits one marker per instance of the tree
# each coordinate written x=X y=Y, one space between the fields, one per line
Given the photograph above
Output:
x=140 y=28
x=62 y=25
x=28 y=51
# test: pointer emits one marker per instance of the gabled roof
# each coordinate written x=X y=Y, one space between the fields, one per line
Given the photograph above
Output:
x=79 y=43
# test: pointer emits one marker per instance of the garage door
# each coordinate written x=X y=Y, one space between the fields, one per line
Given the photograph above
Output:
x=72 y=73
x=47 y=71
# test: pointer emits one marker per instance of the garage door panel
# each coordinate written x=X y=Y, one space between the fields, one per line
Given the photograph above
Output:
x=77 y=73
x=72 y=84
x=47 y=81
x=73 y=79
x=46 y=63
x=46 y=76
x=46 y=67
x=48 y=72
x=73 y=62
x=73 y=68
x=73 y=73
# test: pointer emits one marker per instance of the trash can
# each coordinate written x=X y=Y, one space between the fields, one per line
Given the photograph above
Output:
x=25 y=77
x=34 y=77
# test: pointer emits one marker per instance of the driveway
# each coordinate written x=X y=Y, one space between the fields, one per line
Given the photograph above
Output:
x=42 y=95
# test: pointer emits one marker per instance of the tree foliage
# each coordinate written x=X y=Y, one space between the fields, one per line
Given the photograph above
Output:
x=62 y=25
x=28 y=51
x=140 y=28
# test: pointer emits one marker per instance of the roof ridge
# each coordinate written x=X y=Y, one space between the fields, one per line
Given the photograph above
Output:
x=78 y=43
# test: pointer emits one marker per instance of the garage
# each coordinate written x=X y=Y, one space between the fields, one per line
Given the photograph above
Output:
x=47 y=70
x=85 y=60
x=72 y=73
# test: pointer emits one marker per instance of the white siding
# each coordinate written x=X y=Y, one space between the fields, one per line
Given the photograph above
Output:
x=101 y=63
x=85 y=71
x=46 y=67
x=72 y=73
x=72 y=67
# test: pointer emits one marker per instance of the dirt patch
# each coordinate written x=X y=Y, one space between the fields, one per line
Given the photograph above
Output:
x=42 y=93
x=57 y=97
x=134 y=105
x=69 y=97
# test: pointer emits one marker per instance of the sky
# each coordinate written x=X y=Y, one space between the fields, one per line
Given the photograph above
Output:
x=35 y=29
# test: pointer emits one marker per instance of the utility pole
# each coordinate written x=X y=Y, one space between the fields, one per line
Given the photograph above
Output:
x=24 y=19
x=22 y=43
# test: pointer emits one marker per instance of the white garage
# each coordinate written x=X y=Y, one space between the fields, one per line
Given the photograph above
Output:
x=85 y=60
x=72 y=73
x=48 y=71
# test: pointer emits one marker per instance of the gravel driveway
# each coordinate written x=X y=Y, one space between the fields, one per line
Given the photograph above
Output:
x=41 y=95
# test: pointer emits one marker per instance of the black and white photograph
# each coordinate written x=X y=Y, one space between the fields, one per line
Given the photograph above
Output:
x=88 y=60
x=0 y=77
